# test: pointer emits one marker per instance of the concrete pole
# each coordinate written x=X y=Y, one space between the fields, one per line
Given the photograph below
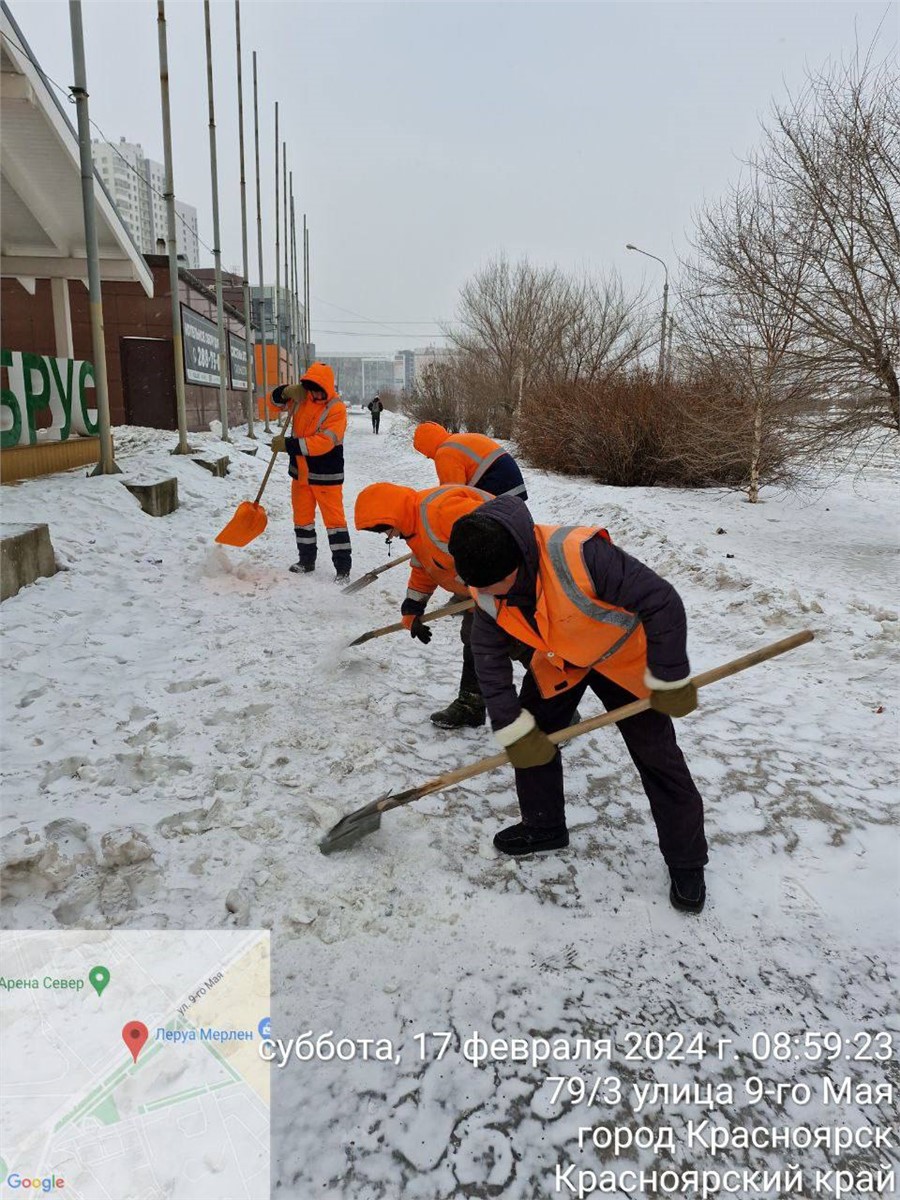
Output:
x=172 y=234
x=669 y=348
x=107 y=463
x=259 y=253
x=661 y=369
x=277 y=306
x=248 y=320
x=217 y=253
x=662 y=340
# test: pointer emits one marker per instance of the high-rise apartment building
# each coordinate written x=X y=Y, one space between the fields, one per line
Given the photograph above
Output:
x=137 y=185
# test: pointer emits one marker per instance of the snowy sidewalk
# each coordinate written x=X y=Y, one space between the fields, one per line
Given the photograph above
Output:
x=182 y=723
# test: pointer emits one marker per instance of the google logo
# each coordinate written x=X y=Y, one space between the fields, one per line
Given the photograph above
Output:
x=48 y=1184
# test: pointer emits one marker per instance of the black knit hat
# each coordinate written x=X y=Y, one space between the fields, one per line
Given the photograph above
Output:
x=483 y=550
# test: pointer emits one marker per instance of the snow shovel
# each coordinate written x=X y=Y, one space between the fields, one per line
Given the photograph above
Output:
x=250 y=518
x=370 y=576
x=352 y=828
x=447 y=611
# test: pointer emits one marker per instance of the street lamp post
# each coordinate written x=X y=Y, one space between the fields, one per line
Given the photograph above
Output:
x=665 y=311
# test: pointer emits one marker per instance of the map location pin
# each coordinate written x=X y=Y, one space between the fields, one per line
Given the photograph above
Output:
x=134 y=1035
x=98 y=977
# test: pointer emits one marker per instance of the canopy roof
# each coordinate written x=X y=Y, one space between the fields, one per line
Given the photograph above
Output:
x=42 y=226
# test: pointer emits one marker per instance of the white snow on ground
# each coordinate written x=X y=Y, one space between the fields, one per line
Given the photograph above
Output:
x=182 y=721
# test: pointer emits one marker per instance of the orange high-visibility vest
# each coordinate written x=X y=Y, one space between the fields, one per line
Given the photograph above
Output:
x=576 y=631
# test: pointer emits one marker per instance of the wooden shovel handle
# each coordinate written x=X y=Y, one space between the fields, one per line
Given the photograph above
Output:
x=447 y=611
x=610 y=718
x=265 y=480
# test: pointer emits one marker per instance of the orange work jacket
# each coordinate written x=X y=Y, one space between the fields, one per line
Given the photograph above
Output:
x=576 y=631
x=432 y=563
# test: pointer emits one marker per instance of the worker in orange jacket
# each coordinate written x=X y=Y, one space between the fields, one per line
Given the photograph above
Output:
x=470 y=458
x=595 y=617
x=316 y=452
x=424 y=520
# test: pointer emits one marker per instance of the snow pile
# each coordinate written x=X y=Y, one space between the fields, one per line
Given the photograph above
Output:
x=183 y=723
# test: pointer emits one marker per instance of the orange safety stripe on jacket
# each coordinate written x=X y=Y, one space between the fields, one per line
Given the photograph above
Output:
x=576 y=631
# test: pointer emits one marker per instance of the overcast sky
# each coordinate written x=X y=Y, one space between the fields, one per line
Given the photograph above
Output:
x=426 y=138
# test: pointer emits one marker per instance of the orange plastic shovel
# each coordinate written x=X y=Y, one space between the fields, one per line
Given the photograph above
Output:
x=250 y=519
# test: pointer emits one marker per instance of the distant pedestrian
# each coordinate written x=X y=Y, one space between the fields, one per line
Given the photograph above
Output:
x=376 y=408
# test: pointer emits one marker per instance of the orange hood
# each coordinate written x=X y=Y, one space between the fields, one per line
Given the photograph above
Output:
x=321 y=375
x=387 y=504
x=429 y=437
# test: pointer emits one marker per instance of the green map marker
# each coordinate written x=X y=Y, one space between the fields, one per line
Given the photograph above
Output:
x=98 y=979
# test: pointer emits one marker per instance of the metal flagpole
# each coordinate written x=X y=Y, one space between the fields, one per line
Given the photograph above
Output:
x=217 y=253
x=172 y=234
x=307 y=318
x=277 y=259
x=287 y=279
x=248 y=319
x=259 y=252
x=296 y=282
x=107 y=463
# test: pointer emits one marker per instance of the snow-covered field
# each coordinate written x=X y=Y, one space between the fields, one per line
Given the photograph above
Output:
x=182 y=723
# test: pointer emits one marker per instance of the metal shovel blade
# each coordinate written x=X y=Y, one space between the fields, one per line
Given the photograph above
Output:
x=358 y=584
x=248 y=523
x=353 y=828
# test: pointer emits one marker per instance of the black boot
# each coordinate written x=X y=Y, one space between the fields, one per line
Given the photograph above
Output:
x=304 y=568
x=528 y=839
x=688 y=891
x=466 y=712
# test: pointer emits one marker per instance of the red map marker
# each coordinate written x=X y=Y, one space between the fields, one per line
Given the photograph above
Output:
x=134 y=1035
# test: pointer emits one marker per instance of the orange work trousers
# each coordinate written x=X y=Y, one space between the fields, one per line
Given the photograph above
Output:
x=329 y=499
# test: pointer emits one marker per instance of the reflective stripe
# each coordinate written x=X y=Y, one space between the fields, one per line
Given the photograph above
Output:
x=338 y=478
x=463 y=449
x=338 y=537
x=329 y=433
x=622 y=620
x=304 y=449
x=306 y=541
x=423 y=513
x=415 y=562
x=325 y=411
x=414 y=595
x=487 y=604
x=486 y=465
x=516 y=491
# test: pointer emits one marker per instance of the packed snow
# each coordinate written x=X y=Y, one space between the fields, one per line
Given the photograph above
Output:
x=183 y=722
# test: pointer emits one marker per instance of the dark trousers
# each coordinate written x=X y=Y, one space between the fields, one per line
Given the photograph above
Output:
x=468 y=681
x=376 y=421
x=675 y=803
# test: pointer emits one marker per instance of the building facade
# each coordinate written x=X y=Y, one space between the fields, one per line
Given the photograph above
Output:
x=137 y=185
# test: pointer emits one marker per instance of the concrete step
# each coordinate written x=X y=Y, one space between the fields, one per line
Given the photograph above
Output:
x=156 y=499
x=217 y=466
x=26 y=554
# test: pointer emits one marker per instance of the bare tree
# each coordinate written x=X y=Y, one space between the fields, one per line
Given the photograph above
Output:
x=435 y=395
x=603 y=331
x=831 y=161
x=509 y=319
x=742 y=334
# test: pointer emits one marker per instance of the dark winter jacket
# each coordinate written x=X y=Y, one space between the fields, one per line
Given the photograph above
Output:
x=618 y=579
